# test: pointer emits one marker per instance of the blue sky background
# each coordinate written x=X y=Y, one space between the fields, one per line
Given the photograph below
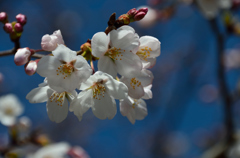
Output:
x=177 y=110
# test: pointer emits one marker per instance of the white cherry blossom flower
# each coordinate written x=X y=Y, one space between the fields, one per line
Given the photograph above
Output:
x=57 y=104
x=10 y=108
x=64 y=69
x=133 y=109
x=136 y=84
x=148 y=51
x=50 y=42
x=117 y=51
x=210 y=8
x=57 y=150
x=99 y=93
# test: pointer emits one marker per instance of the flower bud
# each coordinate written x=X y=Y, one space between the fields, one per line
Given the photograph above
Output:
x=3 y=17
x=145 y=10
x=18 y=27
x=31 y=67
x=8 y=28
x=149 y=19
x=22 y=56
x=50 y=42
x=22 y=19
x=140 y=14
x=124 y=19
x=85 y=46
x=132 y=12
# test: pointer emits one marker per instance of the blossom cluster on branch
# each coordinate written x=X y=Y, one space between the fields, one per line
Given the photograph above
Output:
x=123 y=62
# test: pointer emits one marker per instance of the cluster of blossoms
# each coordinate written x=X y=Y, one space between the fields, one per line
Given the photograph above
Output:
x=123 y=62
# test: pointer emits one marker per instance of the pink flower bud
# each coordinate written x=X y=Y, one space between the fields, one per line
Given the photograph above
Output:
x=145 y=10
x=31 y=67
x=140 y=14
x=50 y=42
x=149 y=19
x=8 y=27
x=3 y=16
x=22 y=56
x=132 y=12
x=22 y=19
x=18 y=27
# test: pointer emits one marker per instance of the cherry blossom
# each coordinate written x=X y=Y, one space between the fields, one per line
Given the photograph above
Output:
x=117 y=51
x=99 y=93
x=133 y=109
x=210 y=8
x=136 y=84
x=50 y=42
x=10 y=108
x=148 y=50
x=57 y=105
x=57 y=150
x=64 y=69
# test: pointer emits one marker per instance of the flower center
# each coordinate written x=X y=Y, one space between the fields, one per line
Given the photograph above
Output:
x=136 y=102
x=114 y=53
x=66 y=69
x=8 y=111
x=58 y=98
x=134 y=82
x=98 y=89
x=144 y=53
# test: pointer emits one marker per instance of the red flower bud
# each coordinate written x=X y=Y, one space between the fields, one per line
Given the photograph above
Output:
x=22 y=19
x=8 y=28
x=18 y=27
x=3 y=17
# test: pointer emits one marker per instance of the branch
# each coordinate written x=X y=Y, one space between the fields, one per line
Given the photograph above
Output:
x=11 y=51
x=227 y=100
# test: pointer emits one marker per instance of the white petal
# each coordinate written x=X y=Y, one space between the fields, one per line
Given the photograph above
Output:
x=129 y=66
x=82 y=103
x=105 y=107
x=115 y=88
x=151 y=42
x=8 y=120
x=148 y=92
x=47 y=66
x=63 y=53
x=145 y=77
x=82 y=69
x=127 y=110
x=99 y=44
x=149 y=63
x=58 y=34
x=57 y=112
x=124 y=38
x=106 y=64
x=38 y=95
x=88 y=83
x=133 y=109
x=141 y=110
x=134 y=91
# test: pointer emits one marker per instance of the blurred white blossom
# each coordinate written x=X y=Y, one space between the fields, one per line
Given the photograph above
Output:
x=10 y=108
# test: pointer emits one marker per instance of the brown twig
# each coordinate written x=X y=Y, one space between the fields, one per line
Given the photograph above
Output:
x=227 y=100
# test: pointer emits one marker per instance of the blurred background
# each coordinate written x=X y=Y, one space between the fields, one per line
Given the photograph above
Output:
x=186 y=115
